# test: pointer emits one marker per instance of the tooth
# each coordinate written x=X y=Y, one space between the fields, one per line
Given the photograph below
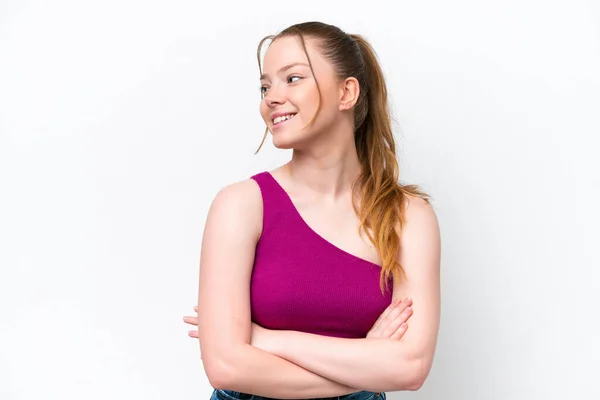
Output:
x=282 y=118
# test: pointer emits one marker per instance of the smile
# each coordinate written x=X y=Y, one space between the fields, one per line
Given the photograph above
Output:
x=283 y=118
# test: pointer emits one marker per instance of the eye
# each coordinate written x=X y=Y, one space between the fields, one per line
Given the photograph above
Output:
x=263 y=89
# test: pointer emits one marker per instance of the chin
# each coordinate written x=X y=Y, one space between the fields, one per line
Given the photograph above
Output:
x=292 y=139
x=285 y=140
x=283 y=145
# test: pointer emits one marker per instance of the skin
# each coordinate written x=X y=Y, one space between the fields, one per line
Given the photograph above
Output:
x=242 y=356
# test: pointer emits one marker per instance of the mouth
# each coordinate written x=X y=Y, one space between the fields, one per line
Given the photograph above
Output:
x=282 y=120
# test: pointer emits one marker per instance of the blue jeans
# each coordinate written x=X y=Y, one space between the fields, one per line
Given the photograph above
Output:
x=219 y=394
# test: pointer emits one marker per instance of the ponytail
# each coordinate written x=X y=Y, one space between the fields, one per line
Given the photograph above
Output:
x=381 y=195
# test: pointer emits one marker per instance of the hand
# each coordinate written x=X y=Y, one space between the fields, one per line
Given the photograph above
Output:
x=192 y=321
x=392 y=321
x=259 y=337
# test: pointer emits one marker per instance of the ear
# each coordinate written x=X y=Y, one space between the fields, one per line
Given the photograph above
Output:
x=349 y=91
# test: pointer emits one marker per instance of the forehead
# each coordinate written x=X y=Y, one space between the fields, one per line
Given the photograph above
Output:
x=287 y=50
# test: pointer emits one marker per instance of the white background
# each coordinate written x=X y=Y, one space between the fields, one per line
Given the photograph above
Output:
x=120 y=120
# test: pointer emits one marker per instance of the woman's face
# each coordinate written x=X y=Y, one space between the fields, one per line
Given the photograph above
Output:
x=291 y=97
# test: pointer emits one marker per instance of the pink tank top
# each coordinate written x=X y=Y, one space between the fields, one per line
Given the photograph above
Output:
x=302 y=282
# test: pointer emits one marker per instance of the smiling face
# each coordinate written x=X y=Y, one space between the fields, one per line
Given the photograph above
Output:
x=290 y=94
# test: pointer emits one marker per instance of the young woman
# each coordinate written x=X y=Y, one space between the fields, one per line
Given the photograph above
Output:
x=307 y=272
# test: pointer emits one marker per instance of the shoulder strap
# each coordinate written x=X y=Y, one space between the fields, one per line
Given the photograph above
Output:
x=275 y=199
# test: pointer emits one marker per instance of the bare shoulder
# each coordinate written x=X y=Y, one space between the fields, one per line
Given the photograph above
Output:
x=247 y=189
x=238 y=204
x=418 y=211
x=420 y=246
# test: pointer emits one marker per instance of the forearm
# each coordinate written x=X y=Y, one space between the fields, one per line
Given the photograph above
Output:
x=254 y=371
x=377 y=365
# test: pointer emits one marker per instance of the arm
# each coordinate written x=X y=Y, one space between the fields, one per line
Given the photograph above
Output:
x=383 y=364
x=231 y=233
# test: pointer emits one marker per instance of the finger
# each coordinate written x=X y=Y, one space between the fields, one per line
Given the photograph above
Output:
x=402 y=304
x=391 y=327
x=400 y=331
x=405 y=303
x=193 y=334
x=396 y=317
x=386 y=312
x=405 y=315
x=399 y=319
x=393 y=314
x=196 y=308
x=191 y=320
x=389 y=316
x=400 y=308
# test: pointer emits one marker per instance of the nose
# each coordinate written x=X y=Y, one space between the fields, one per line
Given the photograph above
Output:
x=274 y=97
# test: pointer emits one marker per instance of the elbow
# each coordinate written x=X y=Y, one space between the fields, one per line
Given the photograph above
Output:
x=416 y=383
x=218 y=373
x=220 y=370
x=419 y=373
x=415 y=375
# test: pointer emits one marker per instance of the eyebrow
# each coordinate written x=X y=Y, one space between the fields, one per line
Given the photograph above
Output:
x=266 y=76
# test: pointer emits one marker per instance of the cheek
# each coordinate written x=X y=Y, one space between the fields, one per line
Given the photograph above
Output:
x=312 y=95
x=330 y=95
x=326 y=104
x=307 y=100
x=264 y=111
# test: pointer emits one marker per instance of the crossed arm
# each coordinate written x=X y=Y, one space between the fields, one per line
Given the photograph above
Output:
x=289 y=364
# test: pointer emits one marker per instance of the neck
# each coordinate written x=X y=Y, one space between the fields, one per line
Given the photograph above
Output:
x=329 y=167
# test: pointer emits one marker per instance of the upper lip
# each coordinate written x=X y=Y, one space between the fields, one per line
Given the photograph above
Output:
x=280 y=113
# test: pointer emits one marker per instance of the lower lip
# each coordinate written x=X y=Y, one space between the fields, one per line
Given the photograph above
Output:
x=283 y=123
